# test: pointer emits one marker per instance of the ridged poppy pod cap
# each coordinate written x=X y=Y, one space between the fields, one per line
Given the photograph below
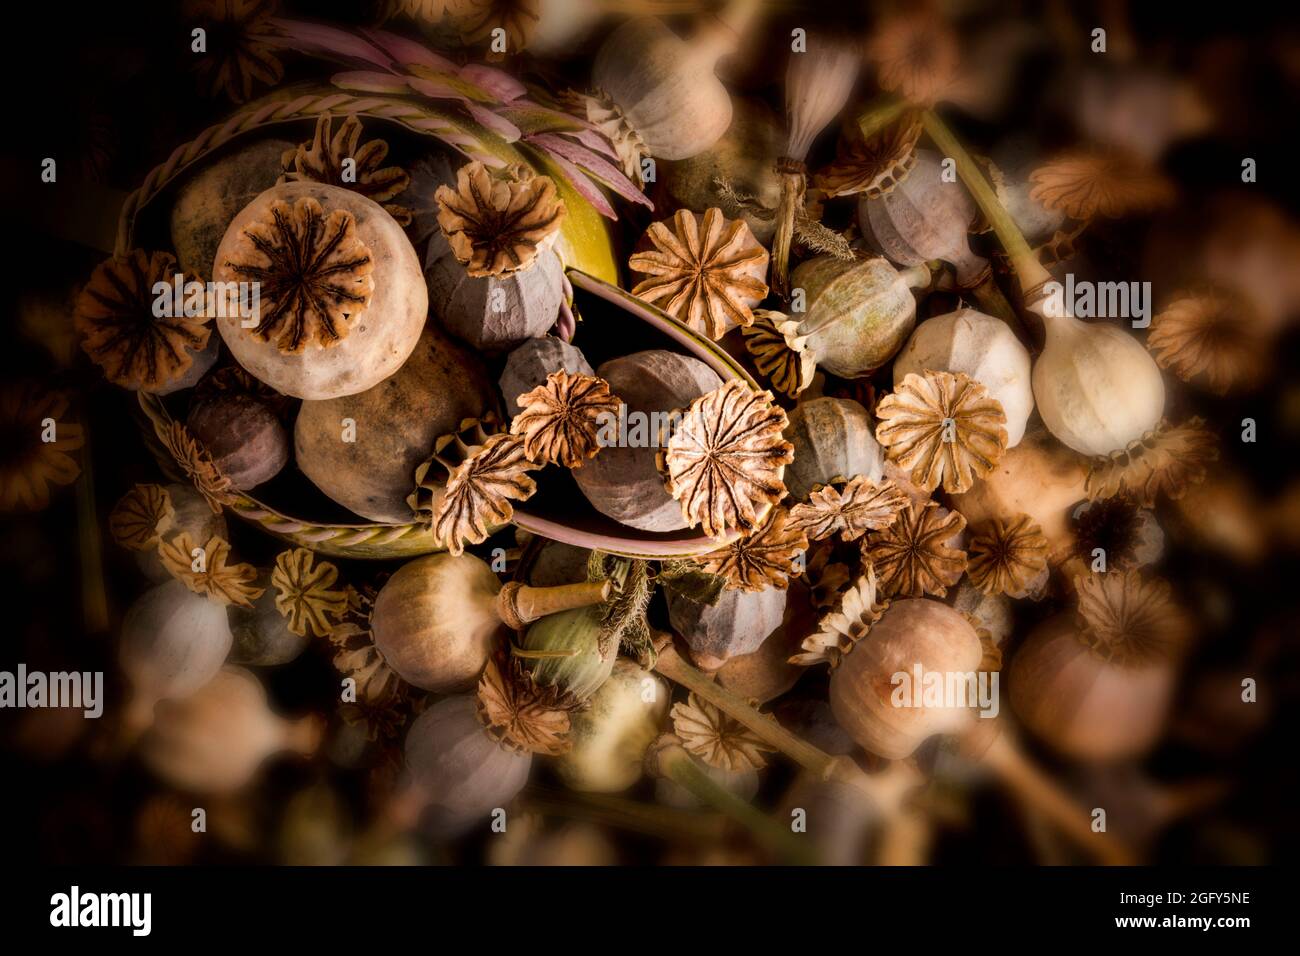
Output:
x=982 y=347
x=623 y=481
x=369 y=304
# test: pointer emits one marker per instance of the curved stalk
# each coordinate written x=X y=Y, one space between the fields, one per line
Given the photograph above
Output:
x=668 y=758
x=1028 y=269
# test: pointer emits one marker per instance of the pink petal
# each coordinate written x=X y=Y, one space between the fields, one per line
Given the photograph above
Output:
x=501 y=85
x=601 y=168
x=317 y=38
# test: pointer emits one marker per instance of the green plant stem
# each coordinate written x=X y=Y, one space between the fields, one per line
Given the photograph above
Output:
x=991 y=301
x=674 y=762
x=1029 y=271
x=880 y=115
x=670 y=664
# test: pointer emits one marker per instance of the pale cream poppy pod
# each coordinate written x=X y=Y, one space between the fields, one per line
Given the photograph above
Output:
x=1096 y=387
x=665 y=86
x=982 y=347
x=378 y=340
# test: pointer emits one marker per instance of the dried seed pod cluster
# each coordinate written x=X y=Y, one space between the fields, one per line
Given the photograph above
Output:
x=578 y=492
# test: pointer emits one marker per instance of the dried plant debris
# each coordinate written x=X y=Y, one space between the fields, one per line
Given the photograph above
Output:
x=315 y=274
x=725 y=459
x=497 y=224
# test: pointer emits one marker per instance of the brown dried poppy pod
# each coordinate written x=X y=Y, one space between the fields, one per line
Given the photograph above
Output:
x=262 y=637
x=912 y=633
x=738 y=624
x=244 y=437
x=858 y=314
x=531 y=363
x=834 y=440
x=610 y=735
x=922 y=218
x=767 y=673
x=1098 y=686
x=460 y=772
x=1085 y=707
x=368 y=304
x=215 y=740
x=207 y=202
x=362 y=450
x=1040 y=478
x=663 y=88
x=494 y=313
x=191 y=515
x=982 y=347
x=437 y=618
x=173 y=642
x=623 y=481
x=737 y=174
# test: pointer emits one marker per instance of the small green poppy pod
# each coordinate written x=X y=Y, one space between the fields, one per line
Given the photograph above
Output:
x=857 y=314
x=567 y=651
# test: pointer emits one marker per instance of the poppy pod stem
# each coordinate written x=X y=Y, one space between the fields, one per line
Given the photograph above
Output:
x=519 y=604
x=794 y=184
x=1035 y=789
x=1028 y=269
x=668 y=758
x=671 y=665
